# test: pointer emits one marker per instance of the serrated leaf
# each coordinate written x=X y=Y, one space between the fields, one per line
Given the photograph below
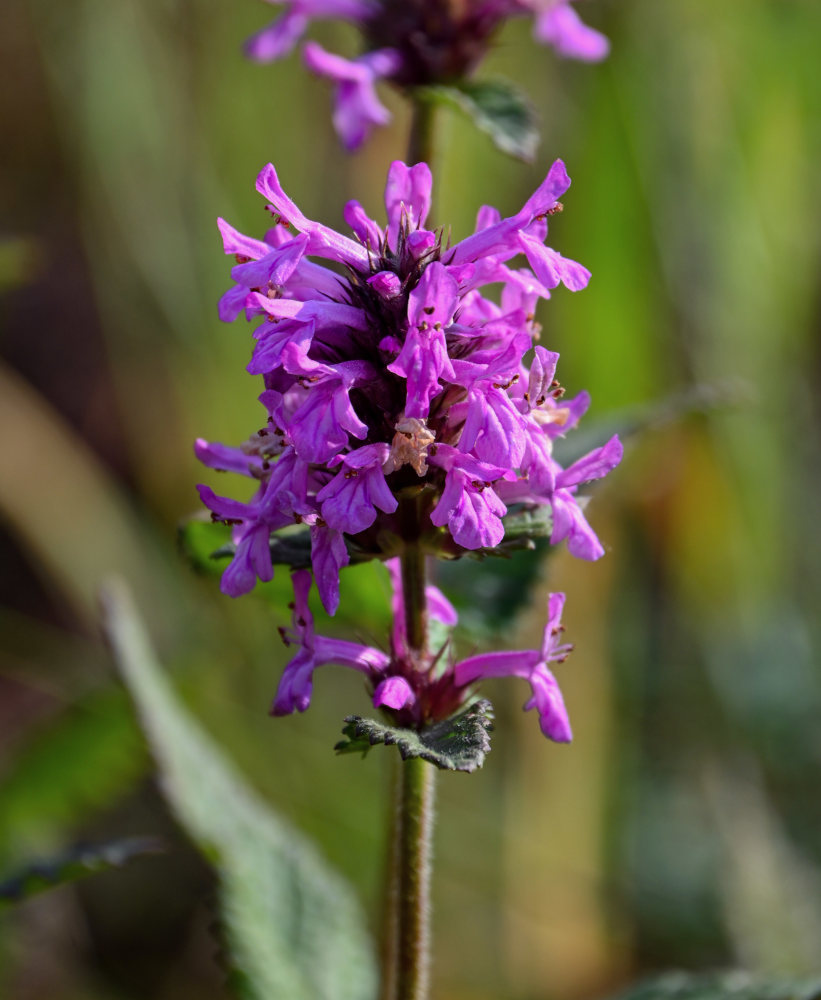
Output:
x=722 y=986
x=294 y=927
x=499 y=109
x=459 y=743
x=72 y=865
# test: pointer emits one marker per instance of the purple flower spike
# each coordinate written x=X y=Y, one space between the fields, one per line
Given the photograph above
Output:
x=399 y=372
x=532 y=664
x=405 y=409
x=418 y=44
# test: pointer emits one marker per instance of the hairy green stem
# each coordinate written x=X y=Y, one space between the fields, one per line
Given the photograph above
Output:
x=414 y=869
x=405 y=943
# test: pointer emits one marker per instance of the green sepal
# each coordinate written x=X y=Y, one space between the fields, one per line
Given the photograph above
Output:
x=499 y=109
x=72 y=865
x=459 y=743
x=722 y=986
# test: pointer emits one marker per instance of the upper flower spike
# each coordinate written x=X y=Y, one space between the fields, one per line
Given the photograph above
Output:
x=423 y=43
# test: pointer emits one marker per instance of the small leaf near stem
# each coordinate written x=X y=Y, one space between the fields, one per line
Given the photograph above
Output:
x=459 y=743
x=498 y=108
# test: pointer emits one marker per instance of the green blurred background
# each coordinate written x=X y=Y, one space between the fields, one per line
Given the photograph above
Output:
x=681 y=828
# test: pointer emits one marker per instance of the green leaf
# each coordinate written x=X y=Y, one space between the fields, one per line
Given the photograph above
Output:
x=200 y=541
x=524 y=526
x=206 y=544
x=722 y=986
x=459 y=743
x=72 y=865
x=499 y=109
x=294 y=927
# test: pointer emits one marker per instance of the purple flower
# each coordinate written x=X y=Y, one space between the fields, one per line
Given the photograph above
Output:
x=357 y=109
x=296 y=685
x=532 y=665
x=468 y=505
x=278 y=38
x=400 y=397
x=277 y=504
x=393 y=692
x=558 y=24
x=424 y=43
x=411 y=697
x=350 y=499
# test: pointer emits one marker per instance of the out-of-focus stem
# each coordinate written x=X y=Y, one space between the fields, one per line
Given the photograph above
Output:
x=422 y=132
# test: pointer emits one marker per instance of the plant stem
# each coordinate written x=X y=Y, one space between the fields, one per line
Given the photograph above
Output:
x=422 y=132
x=413 y=592
x=415 y=836
x=405 y=949
x=406 y=944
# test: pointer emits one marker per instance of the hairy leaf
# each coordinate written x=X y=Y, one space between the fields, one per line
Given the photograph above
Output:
x=499 y=109
x=294 y=927
x=459 y=743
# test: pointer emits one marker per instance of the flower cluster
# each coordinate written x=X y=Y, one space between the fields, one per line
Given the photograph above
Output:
x=415 y=697
x=401 y=409
x=406 y=409
x=413 y=43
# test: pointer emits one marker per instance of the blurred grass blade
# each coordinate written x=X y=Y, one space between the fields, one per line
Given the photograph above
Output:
x=68 y=511
x=294 y=927
x=722 y=986
x=77 y=863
